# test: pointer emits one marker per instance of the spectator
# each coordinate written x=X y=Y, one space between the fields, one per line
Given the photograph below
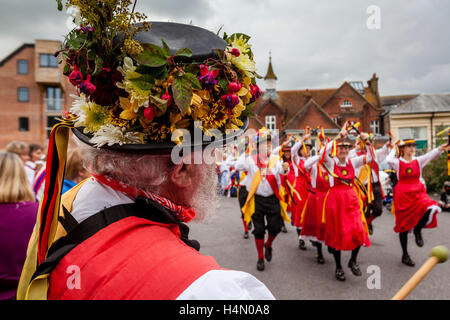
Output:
x=445 y=197
x=75 y=172
x=23 y=151
x=36 y=152
x=18 y=212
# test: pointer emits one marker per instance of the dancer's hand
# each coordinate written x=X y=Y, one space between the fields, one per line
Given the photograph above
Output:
x=444 y=147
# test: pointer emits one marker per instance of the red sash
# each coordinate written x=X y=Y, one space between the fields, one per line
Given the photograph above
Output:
x=270 y=177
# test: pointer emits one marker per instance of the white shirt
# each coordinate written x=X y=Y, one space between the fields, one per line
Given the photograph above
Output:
x=423 y=160
x=213 y=285
x=330 y=162
x=380 y=155
x=30 y=171
x=310 y=166
x=247 y=163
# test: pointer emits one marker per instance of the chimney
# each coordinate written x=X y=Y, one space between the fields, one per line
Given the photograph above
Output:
x=373 y=84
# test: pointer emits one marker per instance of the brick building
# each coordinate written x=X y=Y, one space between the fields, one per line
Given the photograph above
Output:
x=33 y=92
x=290 y=111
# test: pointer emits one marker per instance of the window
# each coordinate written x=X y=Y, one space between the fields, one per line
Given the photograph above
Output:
x=23 y=124
x=47 y=60
x=271 y=122
x=23 y=95
x=346 y=103
x=22 y=67
x=375 y=126
x=54 y=100
x=417 y=133
x=51 y=121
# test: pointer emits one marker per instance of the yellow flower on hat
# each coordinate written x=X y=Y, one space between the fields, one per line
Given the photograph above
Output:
x=139 y=97
x=129 y=108
x=96 y=116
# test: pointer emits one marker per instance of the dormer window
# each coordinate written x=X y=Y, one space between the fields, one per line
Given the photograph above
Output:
x=346 y=103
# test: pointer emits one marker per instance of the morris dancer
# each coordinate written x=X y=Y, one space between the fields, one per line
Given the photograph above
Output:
x=263 y=200
x=301 y=152
x=342 y=215
x=368 y=175
x=313 y=227
x=412 y=208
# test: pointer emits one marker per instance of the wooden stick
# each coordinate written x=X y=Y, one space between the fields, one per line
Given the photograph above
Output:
x=416 y=278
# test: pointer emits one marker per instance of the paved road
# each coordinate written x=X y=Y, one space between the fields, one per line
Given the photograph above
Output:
x=294 y=274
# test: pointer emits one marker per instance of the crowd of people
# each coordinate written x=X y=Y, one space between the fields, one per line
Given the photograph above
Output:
x=333 y=197
x=22 y=178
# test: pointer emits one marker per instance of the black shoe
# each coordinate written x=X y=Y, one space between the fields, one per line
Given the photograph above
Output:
x=419 y=240
x=355 y=268
x=301 y=244
x=260 y=265
x=283 y=229
x=407 y=260
x=246 y=235
x=268 y=253
x=320 y=259
x=370 y=227
x=340 y=275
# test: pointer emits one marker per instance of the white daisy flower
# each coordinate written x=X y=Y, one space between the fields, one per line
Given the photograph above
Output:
x=110 y=135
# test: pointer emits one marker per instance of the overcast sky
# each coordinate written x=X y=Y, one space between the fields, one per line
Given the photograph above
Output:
x=314 y=43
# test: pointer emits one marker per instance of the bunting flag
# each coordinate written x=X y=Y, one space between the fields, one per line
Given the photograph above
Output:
x=47 y=218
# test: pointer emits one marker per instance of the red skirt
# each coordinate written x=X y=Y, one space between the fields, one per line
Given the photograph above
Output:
x=411 y=202
x=296 y=215
x=313 y=227
x=344 y=228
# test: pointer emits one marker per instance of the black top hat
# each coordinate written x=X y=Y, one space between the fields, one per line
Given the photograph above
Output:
x=150 y=83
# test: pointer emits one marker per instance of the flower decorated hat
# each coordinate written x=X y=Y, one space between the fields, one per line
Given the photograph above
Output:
x=140 y=85
x=137 y=83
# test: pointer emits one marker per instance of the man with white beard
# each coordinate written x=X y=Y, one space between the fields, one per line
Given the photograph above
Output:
x=121 y=234
x=139 y=204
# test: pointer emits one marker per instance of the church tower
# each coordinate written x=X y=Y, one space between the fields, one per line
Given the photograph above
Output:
x=271 y=81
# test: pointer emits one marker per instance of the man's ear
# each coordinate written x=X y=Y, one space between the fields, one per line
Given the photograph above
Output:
x=182 y=175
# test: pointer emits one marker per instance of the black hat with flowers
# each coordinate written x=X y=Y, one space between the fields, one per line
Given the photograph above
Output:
x=141 y=85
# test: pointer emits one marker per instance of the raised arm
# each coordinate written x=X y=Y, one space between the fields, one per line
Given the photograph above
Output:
x=311 y=162
x=392 y=160
x=382 y=153
x=429 y=156
x=296 y=147
x=242 y=163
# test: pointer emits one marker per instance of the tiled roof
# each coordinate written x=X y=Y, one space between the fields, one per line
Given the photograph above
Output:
x=12 y=54
x=396 y=99
x=425 y=103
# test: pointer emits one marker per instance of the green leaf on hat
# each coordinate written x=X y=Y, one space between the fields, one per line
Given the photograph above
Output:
x=182 y=93
x=185 y=52
x=145 y=82
x=165 y=48
x=193 y=79
x=152 y=56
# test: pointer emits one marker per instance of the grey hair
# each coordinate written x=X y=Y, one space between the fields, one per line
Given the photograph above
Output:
x=147 y=172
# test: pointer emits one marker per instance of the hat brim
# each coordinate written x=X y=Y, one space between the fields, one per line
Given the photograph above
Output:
x=163 y=147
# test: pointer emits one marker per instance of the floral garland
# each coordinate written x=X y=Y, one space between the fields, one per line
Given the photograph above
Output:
x=132 y=93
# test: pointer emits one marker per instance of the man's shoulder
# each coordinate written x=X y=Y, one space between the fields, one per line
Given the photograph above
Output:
x=133 y=258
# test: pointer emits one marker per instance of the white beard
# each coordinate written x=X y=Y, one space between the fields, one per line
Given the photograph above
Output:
x=205 y=199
